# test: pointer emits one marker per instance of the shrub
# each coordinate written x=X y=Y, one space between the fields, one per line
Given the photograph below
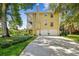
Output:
x=64 y=33
x=20 y=39
x=16 y=40
x=5 y=44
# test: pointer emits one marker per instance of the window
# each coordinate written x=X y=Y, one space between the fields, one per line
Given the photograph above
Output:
x=30 y=22
x=51 y=24
x=51 y=15
x=45 y=14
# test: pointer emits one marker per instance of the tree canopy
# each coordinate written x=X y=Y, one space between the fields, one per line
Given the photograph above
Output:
x=69 y=12
x=12 y=9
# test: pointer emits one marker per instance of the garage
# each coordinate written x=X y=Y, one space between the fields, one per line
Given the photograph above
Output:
x=47 y=32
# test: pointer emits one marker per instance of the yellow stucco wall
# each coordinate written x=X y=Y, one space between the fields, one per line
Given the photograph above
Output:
x=39 y=19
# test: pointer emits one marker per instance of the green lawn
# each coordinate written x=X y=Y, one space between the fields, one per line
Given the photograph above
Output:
x=74 y=37
x=16 y=49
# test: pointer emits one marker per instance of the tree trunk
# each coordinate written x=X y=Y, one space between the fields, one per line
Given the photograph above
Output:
x=4 y=22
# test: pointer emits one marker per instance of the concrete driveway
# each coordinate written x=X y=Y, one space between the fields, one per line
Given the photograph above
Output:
x=51 y=46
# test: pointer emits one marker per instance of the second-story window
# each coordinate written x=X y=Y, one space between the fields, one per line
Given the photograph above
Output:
x=51 y=24
x=45 y=14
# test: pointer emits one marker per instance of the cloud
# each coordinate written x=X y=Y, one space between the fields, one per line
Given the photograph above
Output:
x=37 y=4
x=29 y=10
x=46 y=6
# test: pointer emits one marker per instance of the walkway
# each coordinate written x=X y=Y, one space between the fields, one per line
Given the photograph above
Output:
x=51 y=46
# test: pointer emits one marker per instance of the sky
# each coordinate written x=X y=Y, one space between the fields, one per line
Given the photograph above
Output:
x=42 y=8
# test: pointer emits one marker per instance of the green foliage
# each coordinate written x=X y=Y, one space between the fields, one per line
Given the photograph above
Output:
x=16 y=40
x=12 y=10
x=0 y=31
x=63 y=33
x=70 y=15
x=20 y=39
x=5 y=44
x=74 y=37
x=16 y=32
x=16 y=49
x=15 y=15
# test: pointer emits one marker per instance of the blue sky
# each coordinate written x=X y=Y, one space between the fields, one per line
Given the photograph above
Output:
x=42 y=8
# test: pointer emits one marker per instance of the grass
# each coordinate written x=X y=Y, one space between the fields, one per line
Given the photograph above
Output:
x=73 y=37
x=14 y=50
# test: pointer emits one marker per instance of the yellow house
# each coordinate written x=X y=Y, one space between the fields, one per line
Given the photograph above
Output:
x=43 y=23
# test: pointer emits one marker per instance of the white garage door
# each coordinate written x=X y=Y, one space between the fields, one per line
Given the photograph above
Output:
x=42 y=32
x=53 y=32
x=47 y=32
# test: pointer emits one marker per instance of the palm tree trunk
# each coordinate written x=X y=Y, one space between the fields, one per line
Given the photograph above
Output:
x=4 y=22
